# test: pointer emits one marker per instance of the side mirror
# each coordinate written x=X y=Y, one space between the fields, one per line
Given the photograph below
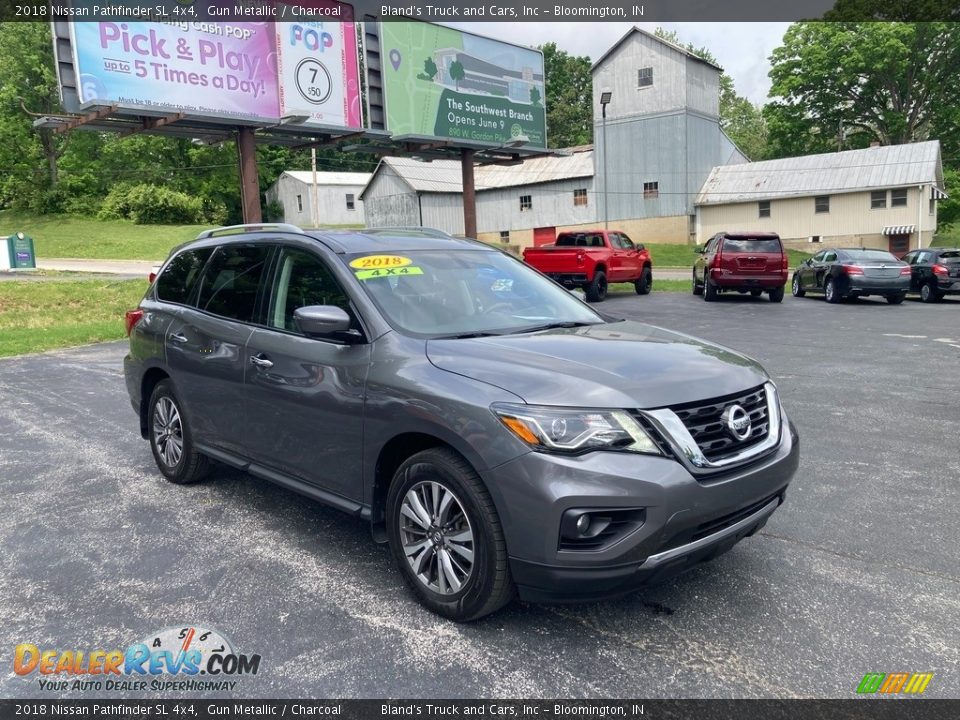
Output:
x=321 y=320
x=699 y=249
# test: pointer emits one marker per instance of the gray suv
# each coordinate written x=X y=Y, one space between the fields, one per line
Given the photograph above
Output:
x=502 y=436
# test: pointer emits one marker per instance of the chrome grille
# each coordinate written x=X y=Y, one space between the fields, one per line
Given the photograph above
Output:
x=703 y=422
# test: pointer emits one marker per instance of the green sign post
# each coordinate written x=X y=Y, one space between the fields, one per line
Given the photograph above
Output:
x=18 y=253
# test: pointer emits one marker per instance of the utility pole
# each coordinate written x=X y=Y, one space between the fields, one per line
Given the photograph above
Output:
x=249 y=182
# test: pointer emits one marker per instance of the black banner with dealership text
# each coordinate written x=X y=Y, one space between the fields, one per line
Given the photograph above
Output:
x=855 y=709
x=538 y=11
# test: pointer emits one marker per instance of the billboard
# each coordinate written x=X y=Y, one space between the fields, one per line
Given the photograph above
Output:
x=255 y=71
x=449 y=84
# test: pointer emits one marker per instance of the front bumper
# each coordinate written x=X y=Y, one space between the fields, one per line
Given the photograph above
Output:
x=686 y=520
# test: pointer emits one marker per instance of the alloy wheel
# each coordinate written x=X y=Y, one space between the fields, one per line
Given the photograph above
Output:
x=437 y=538
x=168 y=431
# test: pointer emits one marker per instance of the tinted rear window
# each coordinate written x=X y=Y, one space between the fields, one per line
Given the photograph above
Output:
x=867 y=256
x=752 y=245
x=579 y=240
x=177 y=281
x=951 y=255
x=232 y=281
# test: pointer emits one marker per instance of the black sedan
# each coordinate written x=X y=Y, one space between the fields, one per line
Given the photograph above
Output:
x=841 y=273
x=934 y=272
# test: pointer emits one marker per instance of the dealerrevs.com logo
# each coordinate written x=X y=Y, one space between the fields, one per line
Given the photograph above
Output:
x=180 y=658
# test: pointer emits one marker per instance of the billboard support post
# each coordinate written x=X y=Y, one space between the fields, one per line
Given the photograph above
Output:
x=469 y=194
x=249 y=182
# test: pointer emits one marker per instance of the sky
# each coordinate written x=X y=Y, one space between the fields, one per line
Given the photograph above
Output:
x=741 y=48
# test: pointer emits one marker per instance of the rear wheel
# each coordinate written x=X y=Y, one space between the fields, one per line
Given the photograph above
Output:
x=830 y=292
x=776 y=295
x=697 y=288
x=896 y=299
x=644 y=284
x=171 y=440
x=709 y=290
x=597 y=289
x=929 y=294
x=446 y=536
x=796 y=287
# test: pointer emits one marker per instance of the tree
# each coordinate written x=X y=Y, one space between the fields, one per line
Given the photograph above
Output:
x=846 y=84
x=741 y=120
x=534 y=96
x=569 y=97
x=456 y=72
x=430 y=68
x=948 y=211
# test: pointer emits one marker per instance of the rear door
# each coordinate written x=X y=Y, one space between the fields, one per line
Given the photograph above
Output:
x=204 y=343
x=305 y=396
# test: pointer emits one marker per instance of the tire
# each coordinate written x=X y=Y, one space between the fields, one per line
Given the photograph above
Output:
x=597 y=289
x=929 y=294
x=484 y=579
x=756 y=293
x=776 y=295
x=697 y=289
x=709 y=290
x=171 y=439
x=796 y=287
x=896 y=299
x=830 y=292
x=645 y=283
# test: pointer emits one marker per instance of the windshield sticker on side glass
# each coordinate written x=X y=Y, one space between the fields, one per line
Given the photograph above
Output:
x=388 y=272
x=380 y=261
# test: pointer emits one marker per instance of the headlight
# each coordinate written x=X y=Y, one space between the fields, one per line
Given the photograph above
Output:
x=574 y=431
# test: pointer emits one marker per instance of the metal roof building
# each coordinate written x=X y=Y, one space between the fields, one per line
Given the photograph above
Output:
x=874 y=197
x=337 y=197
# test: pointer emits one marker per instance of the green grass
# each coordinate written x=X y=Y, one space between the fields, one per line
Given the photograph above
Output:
x=68 y=236
x=38 y=316
x=666 y=255
x=948 y=238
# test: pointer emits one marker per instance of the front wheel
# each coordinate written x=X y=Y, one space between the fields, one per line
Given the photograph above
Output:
x=776 y=295
x=896 y=299
x=797 y=288
x=171 y=440
x=446 y=536
x=597 y=289
x=645 y=282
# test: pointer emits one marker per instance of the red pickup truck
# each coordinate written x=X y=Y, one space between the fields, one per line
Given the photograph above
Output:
x=590 y=259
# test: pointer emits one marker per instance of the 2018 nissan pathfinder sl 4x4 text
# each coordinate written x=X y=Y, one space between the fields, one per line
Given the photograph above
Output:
x=501 y=435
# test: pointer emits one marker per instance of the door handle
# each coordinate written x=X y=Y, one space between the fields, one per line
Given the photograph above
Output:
x=260 y=361
x=178 y=337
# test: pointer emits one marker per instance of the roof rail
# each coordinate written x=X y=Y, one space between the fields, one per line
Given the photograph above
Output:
x=409 y=230
x=249 y=227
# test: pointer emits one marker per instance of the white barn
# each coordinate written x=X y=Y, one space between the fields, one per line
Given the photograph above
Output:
x=338 y=197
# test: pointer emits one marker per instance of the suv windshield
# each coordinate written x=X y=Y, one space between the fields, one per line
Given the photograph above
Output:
x=437 y=294
x=752 y=245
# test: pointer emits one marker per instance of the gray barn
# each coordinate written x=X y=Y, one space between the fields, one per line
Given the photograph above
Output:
x=338 y=197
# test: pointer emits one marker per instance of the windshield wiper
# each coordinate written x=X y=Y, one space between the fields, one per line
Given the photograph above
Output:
x=554 y=325
x=463 y=336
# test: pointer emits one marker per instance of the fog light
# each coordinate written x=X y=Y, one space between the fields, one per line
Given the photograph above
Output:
x=583 y=524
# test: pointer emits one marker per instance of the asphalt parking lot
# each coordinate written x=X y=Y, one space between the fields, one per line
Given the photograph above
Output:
x=858 y=572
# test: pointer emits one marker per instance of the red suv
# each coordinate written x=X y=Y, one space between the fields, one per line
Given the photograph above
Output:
x=753 y=262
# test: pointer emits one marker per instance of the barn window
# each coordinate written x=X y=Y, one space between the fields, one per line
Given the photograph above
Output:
x=898 y=198
x=651 y=189
x=644 y=77
x=299 y=203
x=878 y=199
x=504 y=236
x=350 y=201
x=763 y=208
x=526 y=202
x=580 y=196
x=821 y=204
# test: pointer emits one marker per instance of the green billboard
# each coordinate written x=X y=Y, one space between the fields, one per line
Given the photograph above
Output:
x=445 y=83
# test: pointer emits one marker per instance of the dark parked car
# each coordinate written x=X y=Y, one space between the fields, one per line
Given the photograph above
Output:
x=934 y=272
x=841 y=273
x=753 y=262
x=499 y=433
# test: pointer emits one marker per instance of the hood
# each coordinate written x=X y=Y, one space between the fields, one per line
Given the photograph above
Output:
x=622 y=365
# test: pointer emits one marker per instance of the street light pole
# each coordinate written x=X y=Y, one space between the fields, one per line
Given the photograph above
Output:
x=605 y=97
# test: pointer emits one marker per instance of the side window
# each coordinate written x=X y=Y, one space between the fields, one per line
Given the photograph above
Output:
x=302 y=279
x=232 y=281
x=923 y=257
x=176 y=283
x=626 y=243
x=819 y=256
x=911 y=258
x=830 y=257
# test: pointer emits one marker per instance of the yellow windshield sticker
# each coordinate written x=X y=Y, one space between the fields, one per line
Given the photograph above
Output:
x=388 y=272
x=380 y=261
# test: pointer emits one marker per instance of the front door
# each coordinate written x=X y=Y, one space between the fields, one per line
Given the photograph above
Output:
x=305 y=395
x=899 y=244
